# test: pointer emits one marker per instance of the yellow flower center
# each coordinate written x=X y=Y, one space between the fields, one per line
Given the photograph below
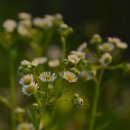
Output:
x=30 y=89
x=69 y=77
x=48 y=77
x=27 y=81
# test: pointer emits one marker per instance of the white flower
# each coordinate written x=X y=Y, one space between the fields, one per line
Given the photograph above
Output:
x=26 y=23
x=25 y=126
x=46 y=22
x=29 y=89
x=88 y=75
x=9 y=25
x=27 y=79
x=54 y=63
x=38 y=22
x=39 y=60
x=82 y=46
x=19 y=110
x=47 y=76
x=106 y=59
x=106 y=47
x=80 y=55
x=73 y=58
x=22 y=30
x=24 y=15
x=54 y=52
x=26 y=63
x=69 y=76
x=118 y=42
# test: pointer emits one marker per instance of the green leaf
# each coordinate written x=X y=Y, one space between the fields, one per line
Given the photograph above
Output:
x=5 y=102
x=33 y=117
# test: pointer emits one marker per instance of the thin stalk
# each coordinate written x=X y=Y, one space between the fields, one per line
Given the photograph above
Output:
x=12 y=93
x=96 y=99
x=63 y=41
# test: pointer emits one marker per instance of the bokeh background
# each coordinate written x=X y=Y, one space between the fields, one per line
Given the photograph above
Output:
x=87 y=17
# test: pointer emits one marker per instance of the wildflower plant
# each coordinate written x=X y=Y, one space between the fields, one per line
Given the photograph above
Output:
x=56 y=79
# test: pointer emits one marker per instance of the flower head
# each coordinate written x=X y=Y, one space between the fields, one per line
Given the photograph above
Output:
x=29 y=89
x=88 y=75
x=96 y=39
x=105 y=59
x=118 y=42
x=25 y=126
x=54 y=63
x=77 y=100
x=47 y=76
x=9 y=25
x=106 y=47
x=26 y=63
x=24 y=15
x=39 y=60
x=73 y=58
x=82 y=46
x=69 y=76
x=27 y=79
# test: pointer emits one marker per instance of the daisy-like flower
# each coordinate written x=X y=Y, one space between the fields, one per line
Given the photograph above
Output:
x=96 y=39
x=30 y=89
x=88 y=75
x=106 y=59
x=25 y=126
x=22 y=30
x=9 y=25
x=82 y=46
x=69 y=76
x=38 y=22
x=39 y=60
x=80 y=55
x=106 y=47
x=118 y=42
x=24 y=15
x=26 y=63
x=73 y=58
x=47 y=76
x=54 y=63
x=27 y=79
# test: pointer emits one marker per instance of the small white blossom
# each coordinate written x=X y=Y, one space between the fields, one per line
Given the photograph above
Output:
x=88 y=75
x=118 y=42
x=39 y=60
x=106 y=59
x=80 y=55
x=9 y=25
x=106 y=47
x=24 y=15
x=46 y=22
x=47 y=76
x=26 y=63
x=69 y=76
x=25 y=126
x=54 y=52
x=27 y=79
x=54 y=63
x=73 y=58
x=26 y=23
x=30 y=89
x=19 y=110
x=38 y=22
x=82 y=47
x=22 y=30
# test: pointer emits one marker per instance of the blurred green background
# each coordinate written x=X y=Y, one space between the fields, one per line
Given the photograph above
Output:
x=106 y=17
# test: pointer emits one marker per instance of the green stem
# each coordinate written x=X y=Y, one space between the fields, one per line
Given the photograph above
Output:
x=96 y=99
x=63 y=41
x=13 y=93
